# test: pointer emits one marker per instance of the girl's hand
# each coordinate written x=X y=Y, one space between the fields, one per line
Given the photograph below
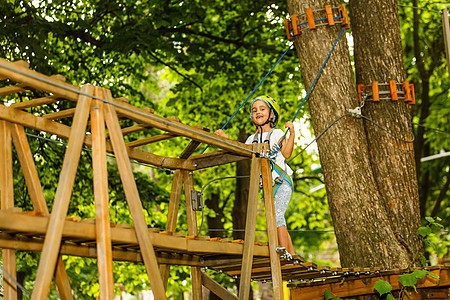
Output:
x=290 y=125
x=221 y=133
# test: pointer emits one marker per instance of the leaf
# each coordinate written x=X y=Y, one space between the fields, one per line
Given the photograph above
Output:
x=408 y=280
x=423 y=260
x=328 y=295
x=432 y=275
x=424 y=231
x=382 y=287
x=420 y=273
x=430 y=219
x=390 y=297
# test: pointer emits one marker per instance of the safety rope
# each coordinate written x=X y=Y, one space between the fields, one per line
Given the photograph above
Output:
x=14 y=281
x=248 y=97
x=166 y=122
x=203 y=188
x=273 y=153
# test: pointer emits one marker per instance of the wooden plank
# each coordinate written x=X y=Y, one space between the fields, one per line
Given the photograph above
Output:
x=192 y=230
x=133 y=199
x=60 y=114
x=22 y=223
x=18 y=63
x=9 y=242
x=364 y=286
x=172 y=215
x=29 y=169
x=277 y=281
x=188 y=131
x=216 y=288
x=7 y=202
x=12 y=89
x=36 y=80
x=63 y=192
x=36 y=102
x=247 y=257
x=37 y=198
x=192 y=145
x=29 y=120
x=150 y=140
x=102 y=223
x=217 y=158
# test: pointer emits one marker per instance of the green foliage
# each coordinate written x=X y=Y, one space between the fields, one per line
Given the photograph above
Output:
x=382 y=287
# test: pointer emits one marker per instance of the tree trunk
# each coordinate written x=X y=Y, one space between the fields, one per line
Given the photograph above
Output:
x=361 y=220
x=379 y=57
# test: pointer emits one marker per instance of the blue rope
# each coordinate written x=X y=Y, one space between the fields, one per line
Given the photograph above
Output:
x=309 y=91
x=253 y=91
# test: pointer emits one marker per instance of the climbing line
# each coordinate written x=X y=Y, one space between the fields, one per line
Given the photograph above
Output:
x=245 y=101
x=15 y=281
x=203 y=188
x=167 y=171
x=318 y=137
x=311 y=87
x=420 y=8
x=431 y=128
x=162 y=120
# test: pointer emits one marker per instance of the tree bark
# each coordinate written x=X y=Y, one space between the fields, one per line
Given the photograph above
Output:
x=361 y=219
x=379 y=57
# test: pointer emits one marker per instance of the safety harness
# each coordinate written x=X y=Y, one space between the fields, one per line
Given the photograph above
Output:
x=282 y=173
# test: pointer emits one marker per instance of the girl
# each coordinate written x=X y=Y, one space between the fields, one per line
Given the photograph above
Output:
x=265 y=114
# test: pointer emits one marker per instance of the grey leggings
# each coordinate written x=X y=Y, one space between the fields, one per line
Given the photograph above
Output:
x=281 y=201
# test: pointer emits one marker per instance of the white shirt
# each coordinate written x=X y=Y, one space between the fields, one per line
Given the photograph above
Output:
x=275 y=137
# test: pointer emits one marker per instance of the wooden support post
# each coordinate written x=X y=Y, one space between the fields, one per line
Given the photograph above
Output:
x=446 y=29
x=7 y=201
x=249 y=242
x=171 y=224
x=133 y=199
x=102 y=224
x=192 y=230
x=216 y=288
x=275 y=266
x=37 y=198
x=52 y=241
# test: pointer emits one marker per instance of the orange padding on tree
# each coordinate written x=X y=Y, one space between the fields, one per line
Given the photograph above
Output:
x=344 y=15
x=310 y=18
x=393 y=89
x=329 y=15
x=375 y=91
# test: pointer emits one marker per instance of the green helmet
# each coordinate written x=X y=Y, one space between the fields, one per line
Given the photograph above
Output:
x=274 y=107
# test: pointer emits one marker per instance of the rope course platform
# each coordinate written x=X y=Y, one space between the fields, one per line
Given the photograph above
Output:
x=54 y=234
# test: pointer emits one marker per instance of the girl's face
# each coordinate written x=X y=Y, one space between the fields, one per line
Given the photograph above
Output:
x=260 y=112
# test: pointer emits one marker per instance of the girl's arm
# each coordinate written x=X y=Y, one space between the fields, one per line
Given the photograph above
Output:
x=288 y=146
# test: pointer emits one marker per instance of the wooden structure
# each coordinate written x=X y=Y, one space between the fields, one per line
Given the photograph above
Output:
x=55 y=235
x=359 y=283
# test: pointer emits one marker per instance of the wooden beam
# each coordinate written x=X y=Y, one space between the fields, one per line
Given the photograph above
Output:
x=150 y=140
x=100 y=174
x=216 y=288
x=277 y=281
x=29 y=120
x=188 y=131
x=20 y=223
x=247 y=257
x=192 y=145
x=192 y=231
x=60 y=114
x=36 y=102
x=7 y=201
x=49 y=255
x=212 y=159
x=133 y=199
x=172 y=215
x=356 y=286
x=29 y=169
x=18 y=63
x=27 y=244
x=446 y=30
x=37 y=198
